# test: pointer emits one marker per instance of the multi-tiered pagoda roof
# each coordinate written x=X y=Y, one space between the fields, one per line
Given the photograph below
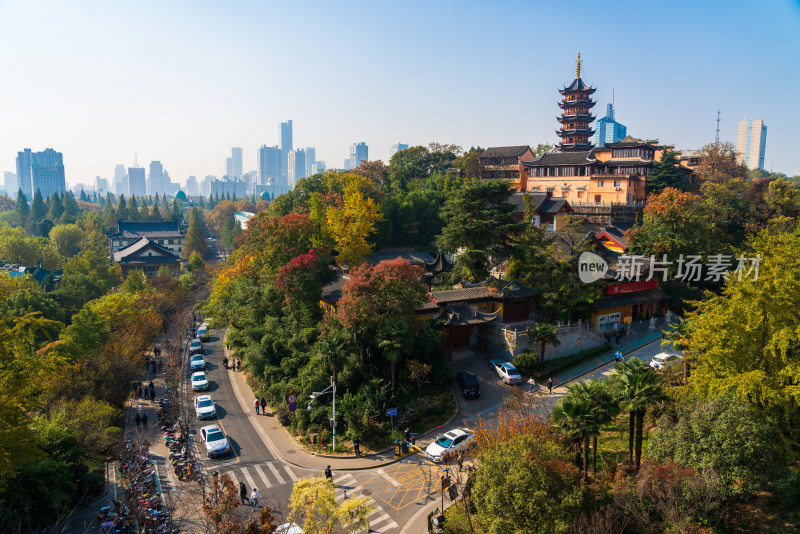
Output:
x=576 y=119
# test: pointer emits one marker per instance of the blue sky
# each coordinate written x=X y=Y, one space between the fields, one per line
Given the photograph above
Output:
x=182 y=82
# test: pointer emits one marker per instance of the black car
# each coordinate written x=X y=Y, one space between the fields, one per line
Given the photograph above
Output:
x=468 y=383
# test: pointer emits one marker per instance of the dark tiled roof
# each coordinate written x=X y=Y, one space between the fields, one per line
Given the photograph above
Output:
x=333 y=292
x=464 y=294
x=131 y=253
x=134 y=229
x=552 y=205
x=628 y=299
x=414 y=257
x=577 y=85
x=541 y=204
x=439 y=264
x=462 y=314
x=563 y=158
x=629 y=141
x=504 y=151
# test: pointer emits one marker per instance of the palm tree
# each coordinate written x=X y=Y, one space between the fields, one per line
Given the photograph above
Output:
x=334 y=347
x=678 y=334
x=576 y=418
x=543 y=333
x=599 y=395
x=394 y=340
x=639 y=389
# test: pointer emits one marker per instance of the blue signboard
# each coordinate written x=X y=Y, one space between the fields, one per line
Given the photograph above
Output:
x=292 y=407
x=391 y=412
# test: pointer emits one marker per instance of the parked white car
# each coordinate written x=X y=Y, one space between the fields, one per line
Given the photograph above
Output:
x=204 y=407
x=197 y=362
x=506 y=370
x=215 y=440
x=199 y=381
x=196 y=346
x=449 y=442
x=664 y=360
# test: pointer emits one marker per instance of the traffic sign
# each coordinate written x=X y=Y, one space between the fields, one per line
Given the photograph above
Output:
x=292 y=399
x=292 y=407
x=391 y=412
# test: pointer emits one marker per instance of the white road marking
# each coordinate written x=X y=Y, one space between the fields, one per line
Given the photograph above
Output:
x=291 y=474
x=276 y=473
x=263 y=476
x=249 y=479
x=394 y=483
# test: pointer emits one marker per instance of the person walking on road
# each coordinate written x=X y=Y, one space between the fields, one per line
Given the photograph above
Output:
x=357 y=446
x=242 y=491
x=144 y=420
x=152 y=392
x=254 y=496
x=137 y=420
x=550 y=385
x=146 y=393
x=531 y=384
x=329 y=474
x=263 y=406
x=255 y=405
x=238 y=365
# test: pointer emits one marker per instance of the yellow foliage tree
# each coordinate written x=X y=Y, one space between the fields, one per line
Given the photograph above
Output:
x=313 y=506
x=352 y=225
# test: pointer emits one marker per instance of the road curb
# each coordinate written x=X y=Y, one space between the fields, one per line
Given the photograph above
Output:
x=633 y=348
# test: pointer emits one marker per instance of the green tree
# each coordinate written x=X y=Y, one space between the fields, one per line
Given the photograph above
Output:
x=37 y=215
x=544 y=148
x=784 y=197
x=71 y=209
x=395 y=341
x=527 y=486
x=726 y=437
x=194 y=237
x=195 y=262
x=603 y=405
x=639 y=390
x=479 y=217
x=133 y=209
x=66 y=238
x=144 y=212
x=665 y=173
x=468 y=164
x=54 y=208
x=576 y=418
x=122 y=209
x=21 y=207
x=543 y=334
x=109 y=214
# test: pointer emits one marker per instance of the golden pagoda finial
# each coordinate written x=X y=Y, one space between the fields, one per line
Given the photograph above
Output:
x=578 y=67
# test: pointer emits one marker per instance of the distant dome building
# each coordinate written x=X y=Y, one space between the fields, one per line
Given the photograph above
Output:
x=265 y=196
x=180 y=195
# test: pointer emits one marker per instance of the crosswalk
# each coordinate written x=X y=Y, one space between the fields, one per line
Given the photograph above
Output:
x=255 y=475
x=379 y=520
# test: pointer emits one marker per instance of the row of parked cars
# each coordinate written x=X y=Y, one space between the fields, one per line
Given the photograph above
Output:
x=214 y=439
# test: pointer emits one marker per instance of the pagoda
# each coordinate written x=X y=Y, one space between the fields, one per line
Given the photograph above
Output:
x=576 y=119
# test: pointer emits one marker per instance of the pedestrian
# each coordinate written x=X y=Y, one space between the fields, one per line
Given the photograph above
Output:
x=242 y=491
x=329 y=474
x=146 y=393
x=135 y=387
x=152 y=392
x=263 y=406
x=137 y=420
x=225 y=362
x=550 y=385
x=531 y=384
x=139 y=392
x=357 y=446
x=144 y=420
x=254 y=496
x=238 y=365
x=255 y=405
x=407 y=435
x=160 y=366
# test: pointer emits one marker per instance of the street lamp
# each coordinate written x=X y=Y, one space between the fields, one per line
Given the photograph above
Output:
x=329 y=389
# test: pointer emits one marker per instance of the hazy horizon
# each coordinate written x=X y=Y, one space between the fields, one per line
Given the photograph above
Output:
x=184 y=82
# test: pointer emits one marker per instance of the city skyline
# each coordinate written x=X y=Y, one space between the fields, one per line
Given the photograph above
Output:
x=108 y=107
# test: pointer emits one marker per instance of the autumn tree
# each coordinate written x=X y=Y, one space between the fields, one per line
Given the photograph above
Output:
x=301 y=282
x=353 y=224
x=718 y=163
x=314 y=507
x=194 y=237
x=468 y=163
x=222 y=511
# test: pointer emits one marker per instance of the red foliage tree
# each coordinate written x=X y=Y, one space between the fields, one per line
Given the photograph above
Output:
x=301 y=280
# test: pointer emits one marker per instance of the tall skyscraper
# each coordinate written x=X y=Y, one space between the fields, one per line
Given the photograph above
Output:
x=269 y=164
x=358 y=153
x=120 y=179
x=192 y=188
x=346 y=164
x=297 y=166
x=101 y=186
x=11 y=184
x=47 y=172
x=236 y=162
x=286 y=147
x=137 y=185
x=751 y=143
x=397 y=148
x=24 y=160
x=155 y=184
x=608 y=129
x=311 y=159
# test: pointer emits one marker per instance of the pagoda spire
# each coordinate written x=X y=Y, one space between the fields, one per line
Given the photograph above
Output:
x=578 y=67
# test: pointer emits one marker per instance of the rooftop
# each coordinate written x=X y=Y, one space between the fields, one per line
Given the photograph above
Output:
x=504 y=151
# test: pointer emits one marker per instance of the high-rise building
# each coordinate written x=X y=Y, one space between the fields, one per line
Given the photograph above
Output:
x=318 y=167
x=311 y=159
x=47 y=172
x=269 y=164
x=11 y=184
x=397 y=148
x=137 y=185
x=576 y=119
x=286 y=147
x=751 y=143
x=120 y=179
x=101 y=186
x=205 y=186
x=358 y=153
x=346 y=164
x=233 y=164
x=155 y=183
x=608 y=129
x=297 y=166
x=24 y=160
x=192 y=188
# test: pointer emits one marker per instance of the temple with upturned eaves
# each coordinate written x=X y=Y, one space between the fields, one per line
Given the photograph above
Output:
x=576 y=118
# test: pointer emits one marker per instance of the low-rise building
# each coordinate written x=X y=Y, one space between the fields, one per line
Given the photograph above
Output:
x=506 y=163
x=168 y=234
x=148 y=257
